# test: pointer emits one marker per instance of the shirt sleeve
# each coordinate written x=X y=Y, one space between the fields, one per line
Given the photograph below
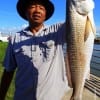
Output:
x=61 y=34
x=9 y=60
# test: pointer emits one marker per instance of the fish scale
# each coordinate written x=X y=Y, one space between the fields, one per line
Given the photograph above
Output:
x=77 y=58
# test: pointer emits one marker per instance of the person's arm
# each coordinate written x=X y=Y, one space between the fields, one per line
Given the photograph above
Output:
x=5 y=83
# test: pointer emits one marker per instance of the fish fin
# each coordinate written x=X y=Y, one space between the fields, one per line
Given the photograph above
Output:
x=88 y=29
x=91 y=19
x=90 y=26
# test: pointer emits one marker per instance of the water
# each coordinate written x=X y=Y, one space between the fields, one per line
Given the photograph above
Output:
x=98 y=34
x=97 y=46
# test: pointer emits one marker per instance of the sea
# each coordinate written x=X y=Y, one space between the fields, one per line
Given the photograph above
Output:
x=98 y=34
x=97 y=46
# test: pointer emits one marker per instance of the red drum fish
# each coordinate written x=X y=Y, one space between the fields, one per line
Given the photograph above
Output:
x=80 y=30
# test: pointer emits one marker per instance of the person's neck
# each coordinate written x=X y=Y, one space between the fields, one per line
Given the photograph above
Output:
x=35 y=28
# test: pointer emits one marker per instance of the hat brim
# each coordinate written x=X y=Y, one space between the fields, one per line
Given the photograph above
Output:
x=23 y=4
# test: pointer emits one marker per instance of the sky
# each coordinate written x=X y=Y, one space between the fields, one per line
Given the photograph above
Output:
x=10 y=21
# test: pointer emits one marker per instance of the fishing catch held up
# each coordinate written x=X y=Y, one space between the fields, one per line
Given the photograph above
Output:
x=80 y=30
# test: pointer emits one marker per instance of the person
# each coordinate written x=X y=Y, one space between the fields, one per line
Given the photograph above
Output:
x=36 y=54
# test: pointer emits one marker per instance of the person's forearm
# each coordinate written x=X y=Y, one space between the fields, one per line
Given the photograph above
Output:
x=5 y=82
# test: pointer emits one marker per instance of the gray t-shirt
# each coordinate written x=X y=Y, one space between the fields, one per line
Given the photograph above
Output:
x=39 y=60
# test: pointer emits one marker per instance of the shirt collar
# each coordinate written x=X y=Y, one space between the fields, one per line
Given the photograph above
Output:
x=28 y=32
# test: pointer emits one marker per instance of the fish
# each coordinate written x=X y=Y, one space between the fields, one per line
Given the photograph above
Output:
x=80 y=34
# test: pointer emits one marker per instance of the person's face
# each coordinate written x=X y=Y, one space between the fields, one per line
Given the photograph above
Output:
x=36 y=13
